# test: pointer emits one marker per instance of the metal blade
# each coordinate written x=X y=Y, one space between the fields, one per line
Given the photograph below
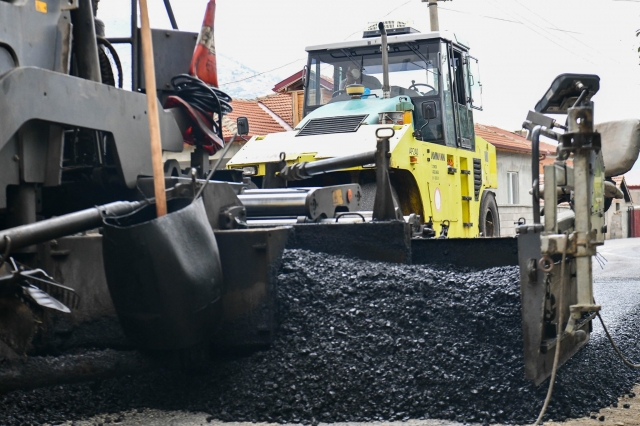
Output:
x=45 y=300
x=67 y=295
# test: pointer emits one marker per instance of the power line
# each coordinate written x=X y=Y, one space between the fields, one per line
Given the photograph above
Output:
x=501 y=19
x=264 y=72
x=575 y=38
x=393 y=10
x=476 y=14
x=300 y=59
x=539 y=33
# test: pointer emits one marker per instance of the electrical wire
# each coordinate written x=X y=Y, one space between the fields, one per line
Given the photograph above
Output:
x=559 y=332
x=615 y=347
x=575 y=38
x=502 y=19
x=533 y=28
x=206 y=99
x=477 y=14
x=393 y=10
x=264 y=72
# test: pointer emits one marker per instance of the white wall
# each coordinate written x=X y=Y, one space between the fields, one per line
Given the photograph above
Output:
x=510 y=213
x=509 y=216
x=617 y=220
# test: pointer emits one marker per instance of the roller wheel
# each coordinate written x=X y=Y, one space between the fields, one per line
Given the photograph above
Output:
x=369 y=196
x=489 y=222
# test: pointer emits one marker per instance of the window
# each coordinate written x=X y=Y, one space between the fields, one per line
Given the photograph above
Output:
x=463 y=114
x=320 y=85
x=475 y=86
x=413 y=72
x=512 y=188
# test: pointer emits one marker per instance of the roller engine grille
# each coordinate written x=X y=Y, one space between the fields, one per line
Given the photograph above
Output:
x=329 y=125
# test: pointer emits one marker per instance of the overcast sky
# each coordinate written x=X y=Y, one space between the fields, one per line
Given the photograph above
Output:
x=521 y=44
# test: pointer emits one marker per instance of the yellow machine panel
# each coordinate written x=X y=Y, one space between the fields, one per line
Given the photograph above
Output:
x=450 y=180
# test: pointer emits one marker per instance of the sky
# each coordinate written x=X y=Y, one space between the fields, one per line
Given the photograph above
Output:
x=522 y=45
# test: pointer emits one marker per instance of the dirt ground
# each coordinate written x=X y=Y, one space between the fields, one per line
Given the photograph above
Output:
x=627 y=413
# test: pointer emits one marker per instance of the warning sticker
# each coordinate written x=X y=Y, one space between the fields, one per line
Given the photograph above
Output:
x=337 y=197
x=41 y=6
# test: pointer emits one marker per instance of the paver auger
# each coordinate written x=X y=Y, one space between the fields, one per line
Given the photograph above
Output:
x=382 y=173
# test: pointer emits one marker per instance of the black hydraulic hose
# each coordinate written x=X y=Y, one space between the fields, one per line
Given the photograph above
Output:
x=535 y=172
x=332 y=164
x=116 y=58
x=69 y=224
x=206 y=99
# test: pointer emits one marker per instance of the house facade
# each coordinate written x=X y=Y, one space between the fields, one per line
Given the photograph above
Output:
x=617 y=217
x=513 y=154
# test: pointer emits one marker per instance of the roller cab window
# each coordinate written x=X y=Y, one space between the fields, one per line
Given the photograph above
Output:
x=461 y=112
x=413 y=72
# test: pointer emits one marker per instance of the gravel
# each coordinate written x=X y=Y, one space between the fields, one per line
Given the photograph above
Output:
x=365 y=341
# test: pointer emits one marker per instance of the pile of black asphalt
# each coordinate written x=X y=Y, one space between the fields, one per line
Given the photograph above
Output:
x=365 y=341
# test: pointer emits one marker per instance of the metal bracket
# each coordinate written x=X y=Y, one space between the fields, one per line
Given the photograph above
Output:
x=383 y=205
x=444 y=230
x=68 y=4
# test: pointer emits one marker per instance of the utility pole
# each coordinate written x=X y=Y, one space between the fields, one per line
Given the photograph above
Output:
x=433 y=14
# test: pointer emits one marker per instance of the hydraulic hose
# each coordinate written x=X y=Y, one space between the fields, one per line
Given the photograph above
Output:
x=206 y=99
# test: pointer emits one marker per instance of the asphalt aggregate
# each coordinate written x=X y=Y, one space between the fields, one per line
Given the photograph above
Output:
x=364 y=341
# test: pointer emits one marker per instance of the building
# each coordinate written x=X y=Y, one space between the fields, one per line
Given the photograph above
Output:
x=632 y=179
x=617 y=217
x=514 y=174
x=294 y=87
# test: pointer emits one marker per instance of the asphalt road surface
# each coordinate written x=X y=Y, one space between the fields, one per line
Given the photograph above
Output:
x=617 y=289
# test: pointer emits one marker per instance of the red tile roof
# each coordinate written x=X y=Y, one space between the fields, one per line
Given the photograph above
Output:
x=632 y=177
x=281 y=104
x=505 y=140
x=297 y=77
x=260 y=122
